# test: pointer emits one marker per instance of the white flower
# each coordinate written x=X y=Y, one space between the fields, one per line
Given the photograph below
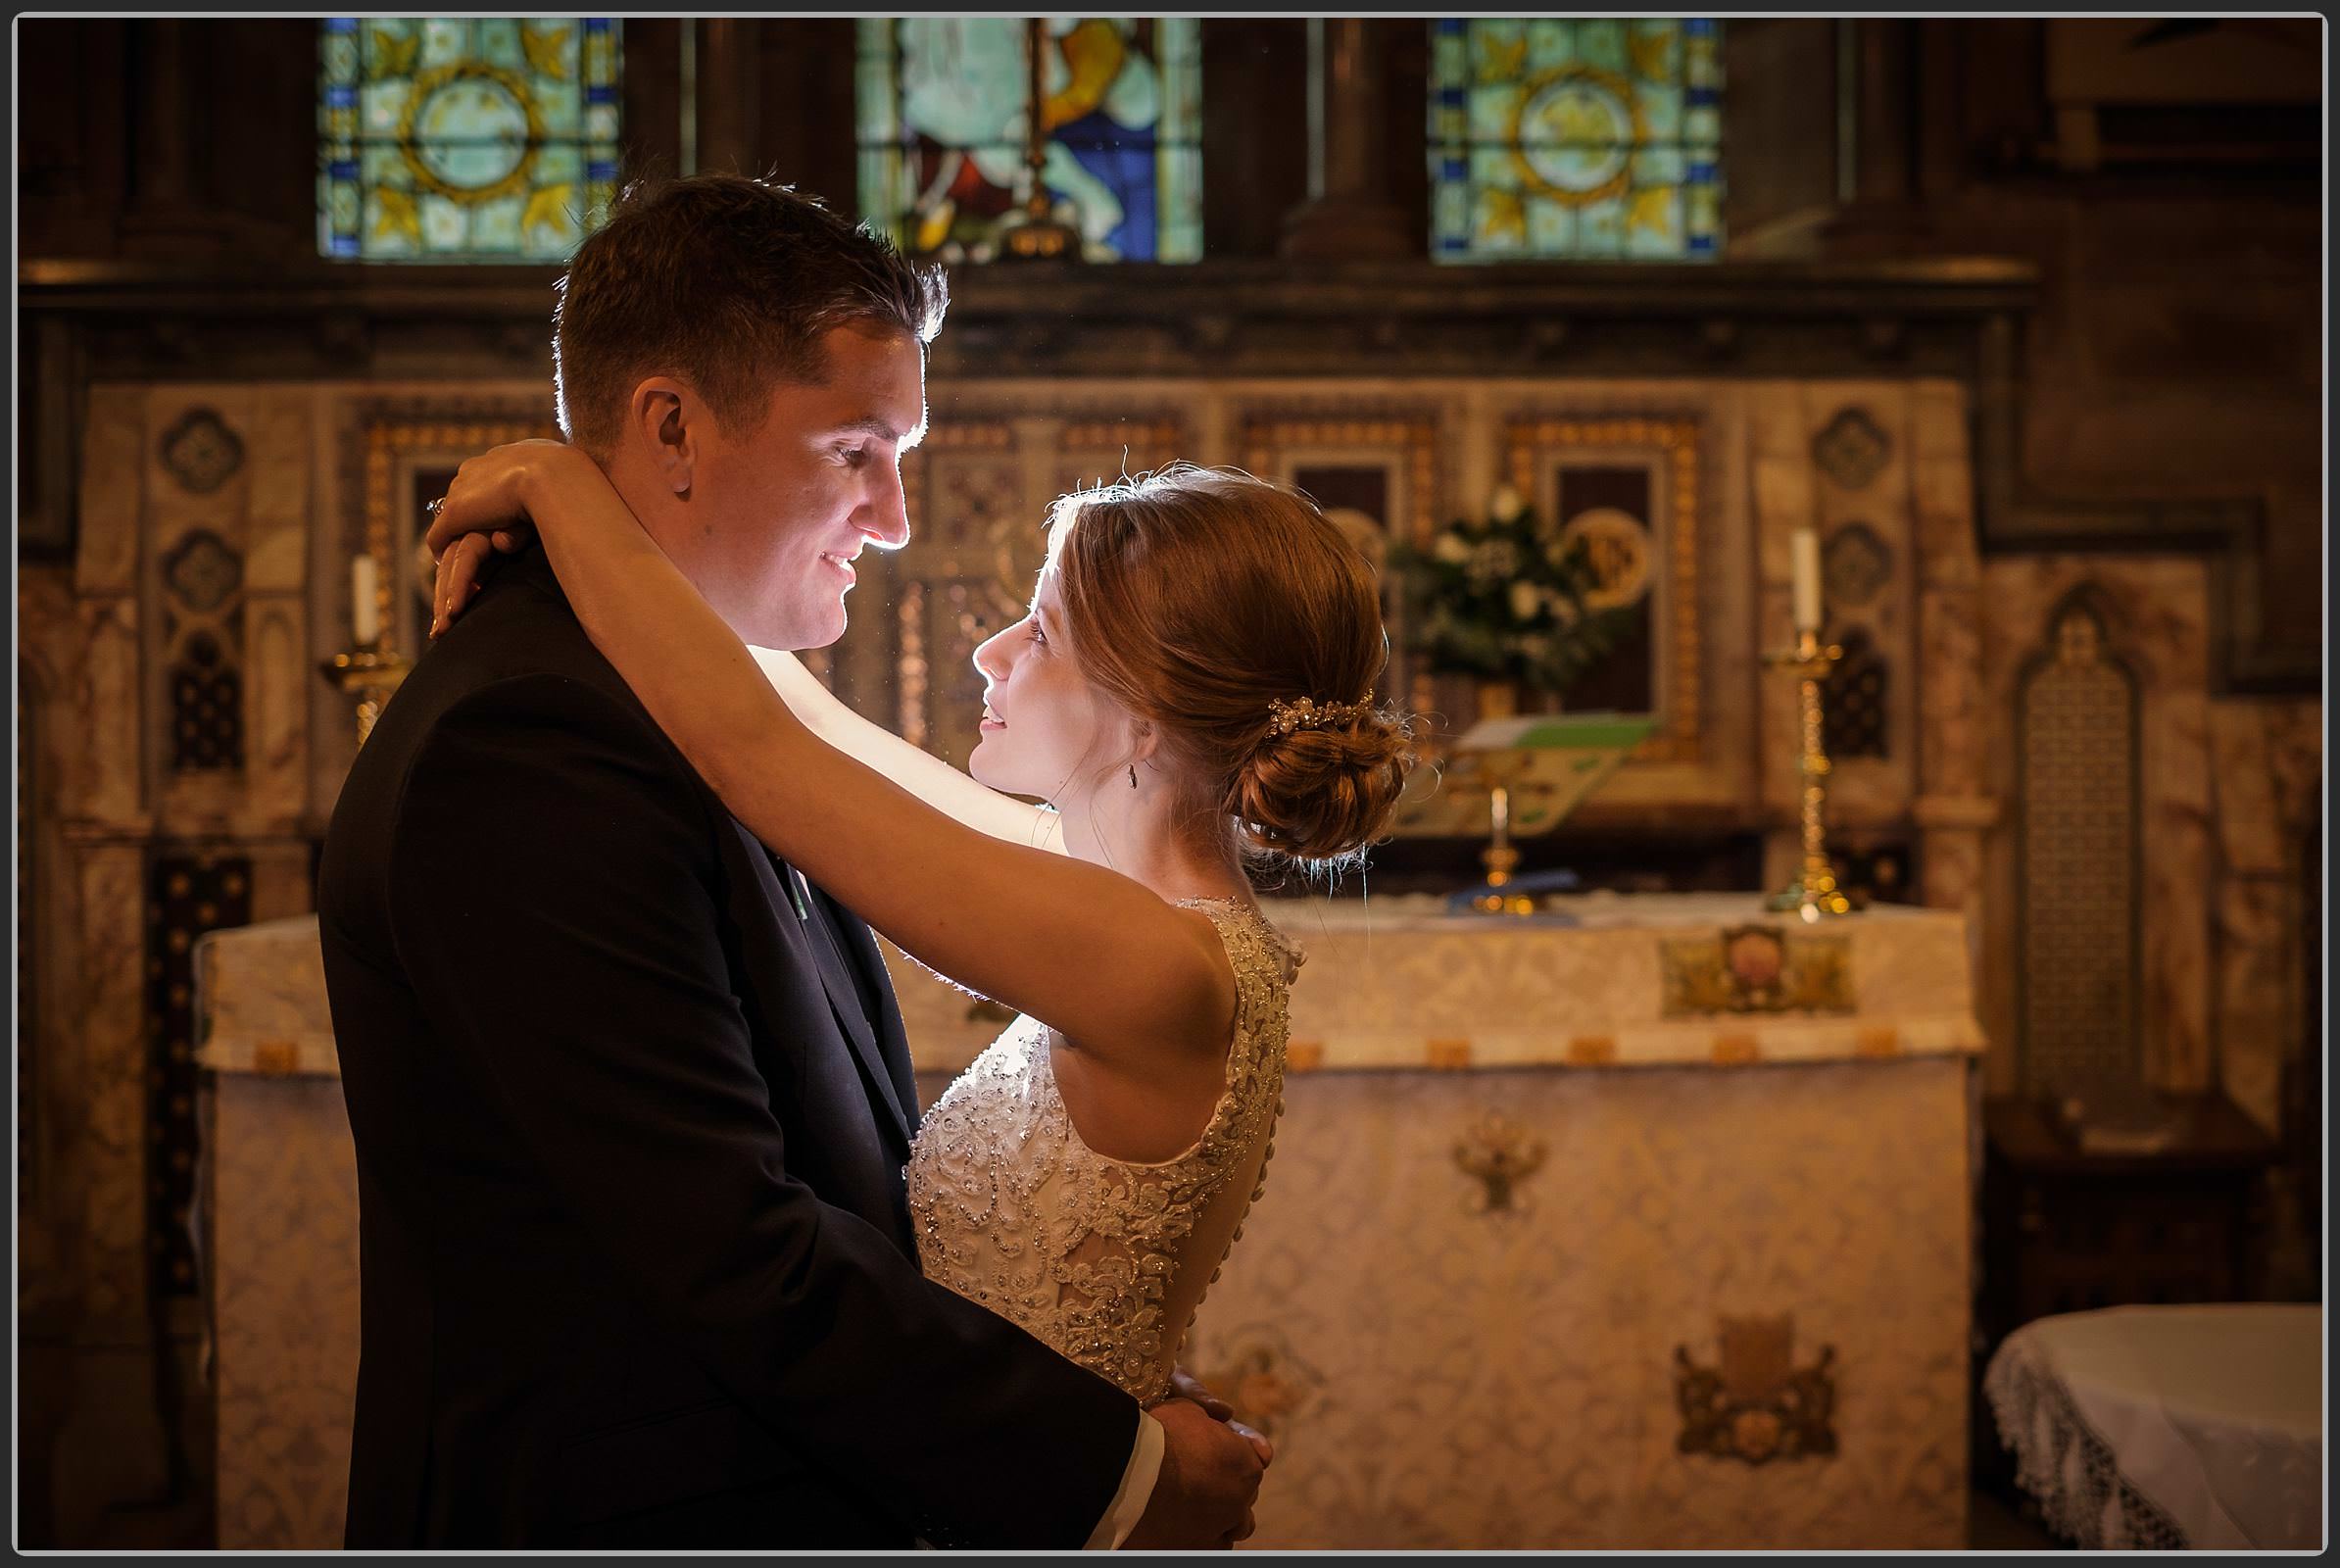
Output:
x=1556 y=549
x=1564 y=609
x=1525 y=601
x=1451 y=548
x=1505 y=505
x=1494 y=562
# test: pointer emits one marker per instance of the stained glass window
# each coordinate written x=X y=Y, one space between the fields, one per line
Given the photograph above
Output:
x=465 y=138
x=944 y=102
x=1585 y=138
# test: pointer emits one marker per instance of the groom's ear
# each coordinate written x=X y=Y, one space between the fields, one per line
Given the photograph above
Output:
x=666 y=418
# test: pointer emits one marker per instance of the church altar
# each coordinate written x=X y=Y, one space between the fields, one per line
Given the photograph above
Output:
x=1642 y=1224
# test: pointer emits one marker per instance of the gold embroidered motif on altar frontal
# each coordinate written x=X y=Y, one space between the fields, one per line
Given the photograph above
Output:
x=1755 y=1404
x=1499 y=1156
x=1757 y=969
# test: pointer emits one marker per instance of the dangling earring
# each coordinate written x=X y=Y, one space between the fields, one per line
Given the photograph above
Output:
x=1133 y=775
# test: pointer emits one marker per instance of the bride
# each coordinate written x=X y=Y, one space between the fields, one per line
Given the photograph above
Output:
x=1191 y=688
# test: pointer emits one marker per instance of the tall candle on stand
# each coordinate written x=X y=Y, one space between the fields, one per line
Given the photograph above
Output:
x=1806 y=558
x=366 y=610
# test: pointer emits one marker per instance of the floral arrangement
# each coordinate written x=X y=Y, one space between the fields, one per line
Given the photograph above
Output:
x=1504 y=599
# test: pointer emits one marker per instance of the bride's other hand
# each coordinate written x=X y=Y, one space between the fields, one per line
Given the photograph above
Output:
x=1203 y=1493
x=1183 y=1385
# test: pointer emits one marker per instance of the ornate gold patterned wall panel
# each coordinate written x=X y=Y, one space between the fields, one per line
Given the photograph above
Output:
x=916 y=620
x=2077 y=730
x=1099 y=451
x=187 y=895
x=1376 y=473
x=1633 y=489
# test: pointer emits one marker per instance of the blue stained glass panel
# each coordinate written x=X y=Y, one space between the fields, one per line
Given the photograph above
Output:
x=465 y=138
x=944 y=102
x=1590 y=138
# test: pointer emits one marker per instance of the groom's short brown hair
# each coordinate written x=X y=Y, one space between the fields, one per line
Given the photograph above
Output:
x=728 y=283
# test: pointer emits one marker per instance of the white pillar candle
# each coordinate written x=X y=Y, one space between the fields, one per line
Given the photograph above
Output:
x=366 y=610
x=1807 y=579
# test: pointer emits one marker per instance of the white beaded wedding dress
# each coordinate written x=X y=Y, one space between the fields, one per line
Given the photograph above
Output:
x=1103 y=1259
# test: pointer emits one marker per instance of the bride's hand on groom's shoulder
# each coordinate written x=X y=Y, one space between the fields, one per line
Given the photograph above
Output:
x=487 y=509
x=501 y=488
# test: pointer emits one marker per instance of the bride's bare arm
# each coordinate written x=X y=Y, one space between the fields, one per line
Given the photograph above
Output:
x=1092 y=951
x=929 y=777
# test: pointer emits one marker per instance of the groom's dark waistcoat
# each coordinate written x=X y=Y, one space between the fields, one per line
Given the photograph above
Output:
x=631 y=1115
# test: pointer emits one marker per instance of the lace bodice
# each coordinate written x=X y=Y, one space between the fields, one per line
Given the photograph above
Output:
x=1103 y=1259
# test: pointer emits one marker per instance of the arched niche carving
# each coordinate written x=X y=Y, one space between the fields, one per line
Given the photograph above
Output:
x=2079 y=855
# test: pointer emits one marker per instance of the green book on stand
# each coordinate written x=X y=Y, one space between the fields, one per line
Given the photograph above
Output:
x=1548 y=761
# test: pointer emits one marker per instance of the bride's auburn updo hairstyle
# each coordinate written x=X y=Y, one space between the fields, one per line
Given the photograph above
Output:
x=1231 y=615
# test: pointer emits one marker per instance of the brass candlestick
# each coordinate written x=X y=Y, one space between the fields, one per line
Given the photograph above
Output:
x=1814 y=892
x=369 y=672
x=1499 y=856
x=1035 y=235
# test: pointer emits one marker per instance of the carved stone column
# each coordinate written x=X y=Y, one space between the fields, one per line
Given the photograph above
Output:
x=729 y=51
x=1878 y=116
x=1347 y=215
x=169 y=208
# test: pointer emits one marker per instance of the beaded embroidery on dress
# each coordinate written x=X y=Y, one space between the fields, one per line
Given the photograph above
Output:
x=1100 y=1258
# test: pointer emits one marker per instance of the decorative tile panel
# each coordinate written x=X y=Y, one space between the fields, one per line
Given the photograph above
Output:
x=202 y=453
x=1852 y=450
x=1855 y=718
x=1855 y=565
x=187 y=895
x=207 y=706
x=203 y=571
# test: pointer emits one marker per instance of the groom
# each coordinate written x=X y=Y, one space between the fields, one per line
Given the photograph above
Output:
x=631 y=1099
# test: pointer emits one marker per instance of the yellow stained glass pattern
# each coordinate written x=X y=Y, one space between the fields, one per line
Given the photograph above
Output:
x=1590 y=138
x=465 y=138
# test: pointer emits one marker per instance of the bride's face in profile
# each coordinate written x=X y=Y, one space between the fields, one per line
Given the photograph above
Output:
x=1047 y=732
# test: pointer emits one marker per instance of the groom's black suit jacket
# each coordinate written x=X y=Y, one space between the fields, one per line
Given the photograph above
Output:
x=636 y=1263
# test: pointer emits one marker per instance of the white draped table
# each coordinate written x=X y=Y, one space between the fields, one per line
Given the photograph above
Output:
x=2170 y=1427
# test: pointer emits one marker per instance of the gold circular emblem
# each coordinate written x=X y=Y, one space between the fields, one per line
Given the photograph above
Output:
x=1574 y=136
x=1617 y=547
x=503 y=132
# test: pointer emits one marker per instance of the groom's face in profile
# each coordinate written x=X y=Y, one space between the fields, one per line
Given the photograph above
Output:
x=780 y=514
